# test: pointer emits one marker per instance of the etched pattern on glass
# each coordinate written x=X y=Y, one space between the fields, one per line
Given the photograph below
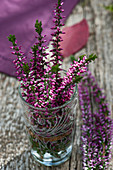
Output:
x=51 y=132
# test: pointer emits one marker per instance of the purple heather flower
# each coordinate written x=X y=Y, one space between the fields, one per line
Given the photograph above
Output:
x=97 y=129
x=41 y=81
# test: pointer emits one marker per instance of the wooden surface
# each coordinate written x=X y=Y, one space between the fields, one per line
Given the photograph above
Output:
x=14 y=148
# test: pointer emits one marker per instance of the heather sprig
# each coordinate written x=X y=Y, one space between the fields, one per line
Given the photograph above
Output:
x=38 y=52
x=20 y=62
x=97 y=129
x=56 y=57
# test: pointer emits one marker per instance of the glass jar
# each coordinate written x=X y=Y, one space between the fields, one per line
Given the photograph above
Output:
x=50 y=131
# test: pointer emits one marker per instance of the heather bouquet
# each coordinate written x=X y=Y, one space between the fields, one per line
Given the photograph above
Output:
x=48 y=93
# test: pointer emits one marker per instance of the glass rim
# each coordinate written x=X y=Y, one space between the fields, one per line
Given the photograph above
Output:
x=47 y=109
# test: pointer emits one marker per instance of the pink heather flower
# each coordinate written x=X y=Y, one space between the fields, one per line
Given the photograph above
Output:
x=13 y=52
x=11 y=47
x=41 y=81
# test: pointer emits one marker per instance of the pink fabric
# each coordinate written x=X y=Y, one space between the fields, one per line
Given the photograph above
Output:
x=75 y=38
